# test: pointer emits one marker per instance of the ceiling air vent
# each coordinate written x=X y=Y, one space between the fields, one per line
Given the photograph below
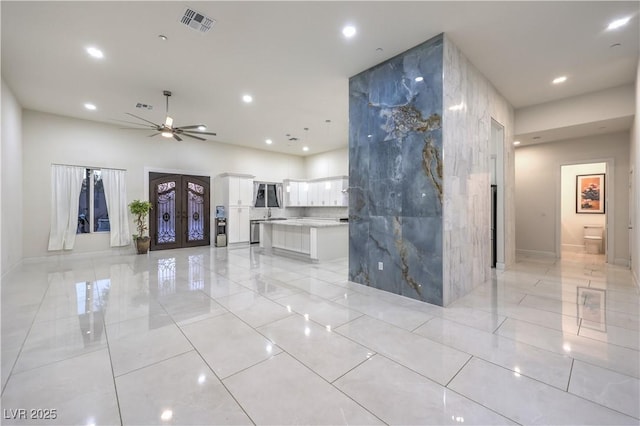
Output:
x=197 y=21
x=144 y=106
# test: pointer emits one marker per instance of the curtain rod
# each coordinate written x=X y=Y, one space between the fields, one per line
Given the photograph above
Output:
x=87 y=167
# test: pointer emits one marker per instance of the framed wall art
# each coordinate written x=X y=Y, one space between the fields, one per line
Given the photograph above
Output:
x=590 y=193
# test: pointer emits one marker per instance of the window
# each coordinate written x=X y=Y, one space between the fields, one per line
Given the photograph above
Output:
x=267 y=195
x=94 y=219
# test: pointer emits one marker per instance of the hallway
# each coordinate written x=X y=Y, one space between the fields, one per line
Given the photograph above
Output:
x=216 y=336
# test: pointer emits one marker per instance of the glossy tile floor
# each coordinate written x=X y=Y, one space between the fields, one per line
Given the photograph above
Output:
x=216 y=336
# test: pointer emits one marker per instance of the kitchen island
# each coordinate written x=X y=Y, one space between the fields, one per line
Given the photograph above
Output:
x=316 y=239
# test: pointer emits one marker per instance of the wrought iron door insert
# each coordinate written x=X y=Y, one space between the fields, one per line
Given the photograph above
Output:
x=180 y=215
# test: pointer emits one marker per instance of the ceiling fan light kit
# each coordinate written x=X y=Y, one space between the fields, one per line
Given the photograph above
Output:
x=167 y=129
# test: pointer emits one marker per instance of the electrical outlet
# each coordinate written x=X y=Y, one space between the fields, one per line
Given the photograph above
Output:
x=380 y=266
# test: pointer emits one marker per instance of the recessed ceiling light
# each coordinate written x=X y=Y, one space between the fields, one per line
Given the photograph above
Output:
x=90 y=107
x=305 y=148
x=618 y=23
x=516 y=142
x=560 y=79
x=202 y=128
x=162 y=37
x=369 y=136
x=615 y=45
x=268 y=141
x=94 y=52
x=247 y=98
x=349 y=31
x=419 y=79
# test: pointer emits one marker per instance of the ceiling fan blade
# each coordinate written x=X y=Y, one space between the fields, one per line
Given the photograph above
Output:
x=194 y=137
x=133 y=122
x=191 y=126
x=192 y=132
x=154 y=134
x=143 y=119
x=146 y=129
x=176 y=137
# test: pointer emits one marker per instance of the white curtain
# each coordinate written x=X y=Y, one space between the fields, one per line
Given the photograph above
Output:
x=66 y=184
x=279 y=195
x=115 y=192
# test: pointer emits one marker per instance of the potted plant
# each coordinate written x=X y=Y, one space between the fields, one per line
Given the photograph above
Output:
x=140 y=211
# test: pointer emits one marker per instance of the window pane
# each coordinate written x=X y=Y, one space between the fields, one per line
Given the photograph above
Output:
x=100 y=213
x=83 y=206
x=260 y=197
x=272 y=200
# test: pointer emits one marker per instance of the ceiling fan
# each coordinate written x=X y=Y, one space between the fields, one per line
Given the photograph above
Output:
x=167 y=129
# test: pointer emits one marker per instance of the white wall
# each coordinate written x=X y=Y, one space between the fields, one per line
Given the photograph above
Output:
x=469 y=104
x=327 y=164
x=635 y=162
x=572 y=223
x=10 y=180
x=49 y=138
x=537 y=178
x=592 y=107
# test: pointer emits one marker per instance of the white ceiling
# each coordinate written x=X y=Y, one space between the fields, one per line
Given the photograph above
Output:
x=293 y=59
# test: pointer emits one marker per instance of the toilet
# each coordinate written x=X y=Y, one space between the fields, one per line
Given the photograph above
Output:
x=593 y=239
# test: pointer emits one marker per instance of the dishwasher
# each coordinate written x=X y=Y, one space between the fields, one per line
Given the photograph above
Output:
x=254 y=233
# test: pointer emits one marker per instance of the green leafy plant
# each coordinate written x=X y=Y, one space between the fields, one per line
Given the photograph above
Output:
x=140 y=211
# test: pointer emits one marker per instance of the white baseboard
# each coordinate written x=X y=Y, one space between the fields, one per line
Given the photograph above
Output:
x=636 y=281
x=12 y=267
x=70 y=254
x=535 y=253
x=574 y=248
x=621 y=262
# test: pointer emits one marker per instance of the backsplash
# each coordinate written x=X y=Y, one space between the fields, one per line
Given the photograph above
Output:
x=328 y=212
x=324 y=212
x=261 y=212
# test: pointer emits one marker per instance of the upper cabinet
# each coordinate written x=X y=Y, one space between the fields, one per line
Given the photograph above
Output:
x=233 y=190
x=329 y=192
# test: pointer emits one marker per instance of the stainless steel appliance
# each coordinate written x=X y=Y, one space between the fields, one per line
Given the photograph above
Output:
x=254 y=231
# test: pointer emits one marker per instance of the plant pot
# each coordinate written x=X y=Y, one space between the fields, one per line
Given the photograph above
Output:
x=142 y=244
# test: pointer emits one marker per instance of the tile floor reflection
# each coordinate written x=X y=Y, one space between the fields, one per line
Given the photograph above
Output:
x=232 y=336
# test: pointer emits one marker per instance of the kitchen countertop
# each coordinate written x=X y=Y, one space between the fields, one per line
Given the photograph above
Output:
x=311 y=223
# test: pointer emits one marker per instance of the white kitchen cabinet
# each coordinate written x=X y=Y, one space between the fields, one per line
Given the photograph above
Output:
x=314 y=194
x=318 y=193
x=303 y=193
x=238 y=225
x=291 y=193
x=317 y=240
x=240 y=191
x=296 y=193
x=235 y=193
x=338 y=195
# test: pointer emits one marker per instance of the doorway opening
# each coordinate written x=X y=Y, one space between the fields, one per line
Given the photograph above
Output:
x=583 y=214
x=180 y=215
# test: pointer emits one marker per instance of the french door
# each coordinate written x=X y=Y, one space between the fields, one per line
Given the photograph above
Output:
x=180 y=214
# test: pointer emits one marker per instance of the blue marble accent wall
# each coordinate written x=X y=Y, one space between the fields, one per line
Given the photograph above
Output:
x=396 y=174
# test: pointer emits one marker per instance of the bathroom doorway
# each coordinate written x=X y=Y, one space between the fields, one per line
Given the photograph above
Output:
x=583 y=212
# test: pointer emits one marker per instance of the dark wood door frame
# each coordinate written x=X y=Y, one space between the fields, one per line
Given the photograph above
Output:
x=180 y=216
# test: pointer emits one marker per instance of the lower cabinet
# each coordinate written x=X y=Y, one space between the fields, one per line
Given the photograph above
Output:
x=238 y=228
x=294 y=238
